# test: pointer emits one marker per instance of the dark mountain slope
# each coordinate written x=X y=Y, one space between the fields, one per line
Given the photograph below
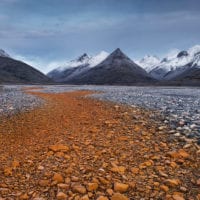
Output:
x=14 y=71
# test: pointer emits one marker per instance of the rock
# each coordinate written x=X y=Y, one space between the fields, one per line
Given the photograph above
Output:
x=58 y=178
x=183 y=189
x=92 y=186
x=59 y=147
x=102 y=198
x=85 y=197
x=74 y=178
x=135 y=170
x=163 y=174
x=164 y=188
x=63 y=186
x=79 y=188
x=177 y=197
x=120 y=187
x=110 y=192
x=15 y=164
x=44 y=183
x=173 y=182
x=24 y=197
x=61 y=196
x=198 y=182
x=40 y=168
x=8 y=171
x=118 y=169
x=183 y=153
x=118 y=196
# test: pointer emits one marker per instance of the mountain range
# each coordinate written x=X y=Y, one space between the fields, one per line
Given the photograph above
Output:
x=181 y=68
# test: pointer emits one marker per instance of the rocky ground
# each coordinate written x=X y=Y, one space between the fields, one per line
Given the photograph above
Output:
x=74 y=147
x=180 y=107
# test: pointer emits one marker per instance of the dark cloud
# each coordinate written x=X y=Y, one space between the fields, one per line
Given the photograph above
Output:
x=48 y=30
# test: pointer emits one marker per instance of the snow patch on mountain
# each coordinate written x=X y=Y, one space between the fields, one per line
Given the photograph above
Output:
x=148 y=62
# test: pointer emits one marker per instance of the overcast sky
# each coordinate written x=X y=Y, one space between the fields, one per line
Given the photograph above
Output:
x=45 y=33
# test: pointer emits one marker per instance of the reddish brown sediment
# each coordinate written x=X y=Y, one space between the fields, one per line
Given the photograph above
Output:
x=80 y=148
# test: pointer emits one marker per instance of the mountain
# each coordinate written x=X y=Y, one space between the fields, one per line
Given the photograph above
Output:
x=116 y=69
x=171 y=67
x=14 y=71
x=191 y=72
x=77 y=66
x=148 y=62
x=3 y=53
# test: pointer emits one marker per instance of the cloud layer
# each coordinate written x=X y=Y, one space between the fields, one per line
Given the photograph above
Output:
x=49 y=31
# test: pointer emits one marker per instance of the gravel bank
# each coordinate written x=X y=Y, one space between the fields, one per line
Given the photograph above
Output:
x=180 y=106
x=13 y=100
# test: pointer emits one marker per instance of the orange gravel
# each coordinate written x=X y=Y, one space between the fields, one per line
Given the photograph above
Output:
x=80 y=148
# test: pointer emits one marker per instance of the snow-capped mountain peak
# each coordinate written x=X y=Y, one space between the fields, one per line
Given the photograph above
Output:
x=4 y=54
x=148 y=62
x=177 y=63
x=85 y=60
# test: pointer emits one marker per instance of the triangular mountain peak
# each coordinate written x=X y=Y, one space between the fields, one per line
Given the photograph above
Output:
x=118 y=53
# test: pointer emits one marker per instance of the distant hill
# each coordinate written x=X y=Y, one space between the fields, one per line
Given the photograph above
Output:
x=14 y=71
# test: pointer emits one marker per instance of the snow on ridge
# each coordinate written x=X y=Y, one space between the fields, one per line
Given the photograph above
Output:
x=91 y=61
x=148 y=62
x=193 y=50
x=95 y=60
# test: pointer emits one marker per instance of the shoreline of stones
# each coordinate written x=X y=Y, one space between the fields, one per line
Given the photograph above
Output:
x=179 y=108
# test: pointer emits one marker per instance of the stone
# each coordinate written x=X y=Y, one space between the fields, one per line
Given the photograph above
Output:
x=118 y=196
x=110 y=192
x=120 y=187
x=40 y=168
x=43 y=183
x=59 y=147
x=15 y=164
x=63 y=186
x=177 y=197
x=183 y=153
x=173 y=182
x=118 y=169
x=183 y=189
x=79 y=188
x=102 y=198
x=74 y=178
x=164 y=188
x=85 y=197
x=198 y=182
x=135 y=170
x=8 y=171
x=24 y=197
x=92 y=186
x=58 y=178
x=61 y=196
